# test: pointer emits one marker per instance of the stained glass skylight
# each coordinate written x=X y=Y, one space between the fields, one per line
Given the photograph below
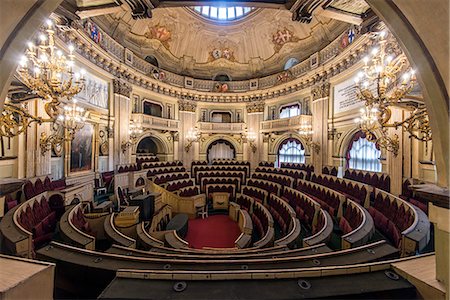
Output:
x=223 y=13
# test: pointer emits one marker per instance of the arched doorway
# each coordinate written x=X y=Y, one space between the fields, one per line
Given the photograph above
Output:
x=147 y=146
x=220 y=149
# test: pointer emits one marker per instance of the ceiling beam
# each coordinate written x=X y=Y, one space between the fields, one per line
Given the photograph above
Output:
x=339 y=15
x=92 y=11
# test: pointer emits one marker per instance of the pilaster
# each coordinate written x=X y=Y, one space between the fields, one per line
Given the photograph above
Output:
x=320 y=98
x=188 y=119
x=255 y=115
x=121 y=102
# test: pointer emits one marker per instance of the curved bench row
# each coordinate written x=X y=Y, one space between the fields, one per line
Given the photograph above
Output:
x=348 y=282
x=276 y=253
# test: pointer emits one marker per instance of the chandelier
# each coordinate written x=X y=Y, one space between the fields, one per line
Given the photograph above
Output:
x=135 y=130
x=306 y=132
x=380 y=86
x=49 y=74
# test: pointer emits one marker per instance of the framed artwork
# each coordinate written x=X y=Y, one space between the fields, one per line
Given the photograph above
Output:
x=81 y=154
x=188 y=82
x=314 y=60
x=253 y=84
x=128 y=57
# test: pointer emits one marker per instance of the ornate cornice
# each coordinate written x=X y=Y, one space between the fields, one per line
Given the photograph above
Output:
x=320 y=90
x=255 y=107
x=186 y=105
x=105 y=60
x=121 y=87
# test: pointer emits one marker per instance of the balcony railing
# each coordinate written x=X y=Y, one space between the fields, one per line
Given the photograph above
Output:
x=210 y=127
x=292 y=123
x=153 y=122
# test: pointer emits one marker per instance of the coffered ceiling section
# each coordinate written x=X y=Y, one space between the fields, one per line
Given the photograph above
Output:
x=186 y=43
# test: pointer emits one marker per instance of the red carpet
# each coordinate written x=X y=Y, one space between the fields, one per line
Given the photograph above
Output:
x=217 y=231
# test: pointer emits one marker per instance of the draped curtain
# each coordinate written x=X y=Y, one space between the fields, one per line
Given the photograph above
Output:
x=364 y=155
x=290 y=111
x=220 y=151
x=291 y=150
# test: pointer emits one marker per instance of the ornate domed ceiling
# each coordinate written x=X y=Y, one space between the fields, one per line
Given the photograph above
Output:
x=186 y=43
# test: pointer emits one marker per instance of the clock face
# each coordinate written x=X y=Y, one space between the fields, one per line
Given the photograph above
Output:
x=216 y=53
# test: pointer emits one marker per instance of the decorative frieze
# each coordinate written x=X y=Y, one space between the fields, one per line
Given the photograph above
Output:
x=121 y=87
x=186 y=105
x=255 y=107
x=267 y=85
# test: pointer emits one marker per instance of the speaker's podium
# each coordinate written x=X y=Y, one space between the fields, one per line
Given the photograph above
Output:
x=148 y=204
x=220 y=200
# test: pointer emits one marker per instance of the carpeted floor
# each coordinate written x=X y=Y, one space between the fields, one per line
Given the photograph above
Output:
x=217 y=231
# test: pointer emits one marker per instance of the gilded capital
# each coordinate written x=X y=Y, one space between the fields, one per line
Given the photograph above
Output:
x=186 y=105
x=255 y=107
x=121 y=87
x=320 y=90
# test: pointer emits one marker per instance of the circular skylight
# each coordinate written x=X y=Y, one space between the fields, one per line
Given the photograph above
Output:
x=223 y=13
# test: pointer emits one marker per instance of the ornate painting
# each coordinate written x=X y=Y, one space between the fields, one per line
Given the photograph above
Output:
x=160 y=33
x=81 y=149
x=282 y=37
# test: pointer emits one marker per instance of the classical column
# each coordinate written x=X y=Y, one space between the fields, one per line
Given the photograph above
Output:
x=121 y=102
x=320 y=96
x=255 y=115
x=187 y=114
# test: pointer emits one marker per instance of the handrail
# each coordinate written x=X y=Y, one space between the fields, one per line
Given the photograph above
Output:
x=270 y=233
x=266 y=273
x=89 y=241
x=175 y=241
x=116 y=235
x=363 y=232
x=325 y=232
x=146 y=238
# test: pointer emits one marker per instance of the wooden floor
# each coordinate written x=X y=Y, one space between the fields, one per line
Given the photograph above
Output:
x=422 y=273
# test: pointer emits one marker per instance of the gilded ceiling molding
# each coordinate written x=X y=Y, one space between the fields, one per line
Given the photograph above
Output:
x=186 y=105
x=109 y=61
x=121 y=87
x=255 y=107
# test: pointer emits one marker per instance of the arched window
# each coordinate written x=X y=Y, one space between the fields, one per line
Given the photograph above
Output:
x=362 y=154
x=290 y=63
x=291 y=110
x=291 y=150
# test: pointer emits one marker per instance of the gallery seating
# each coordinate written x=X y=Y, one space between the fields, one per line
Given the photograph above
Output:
x=297 y=166
x=403 y=223
x=329 y=199
x=75 y=229
x=357 y=191
x=408 y=195
x=379 y=180
x=189 y=191
x=270 y=187
x=330 y=170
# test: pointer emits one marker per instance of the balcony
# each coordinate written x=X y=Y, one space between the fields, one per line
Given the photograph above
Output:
x=158 y=123
x=292 y=123
x=232 y=128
